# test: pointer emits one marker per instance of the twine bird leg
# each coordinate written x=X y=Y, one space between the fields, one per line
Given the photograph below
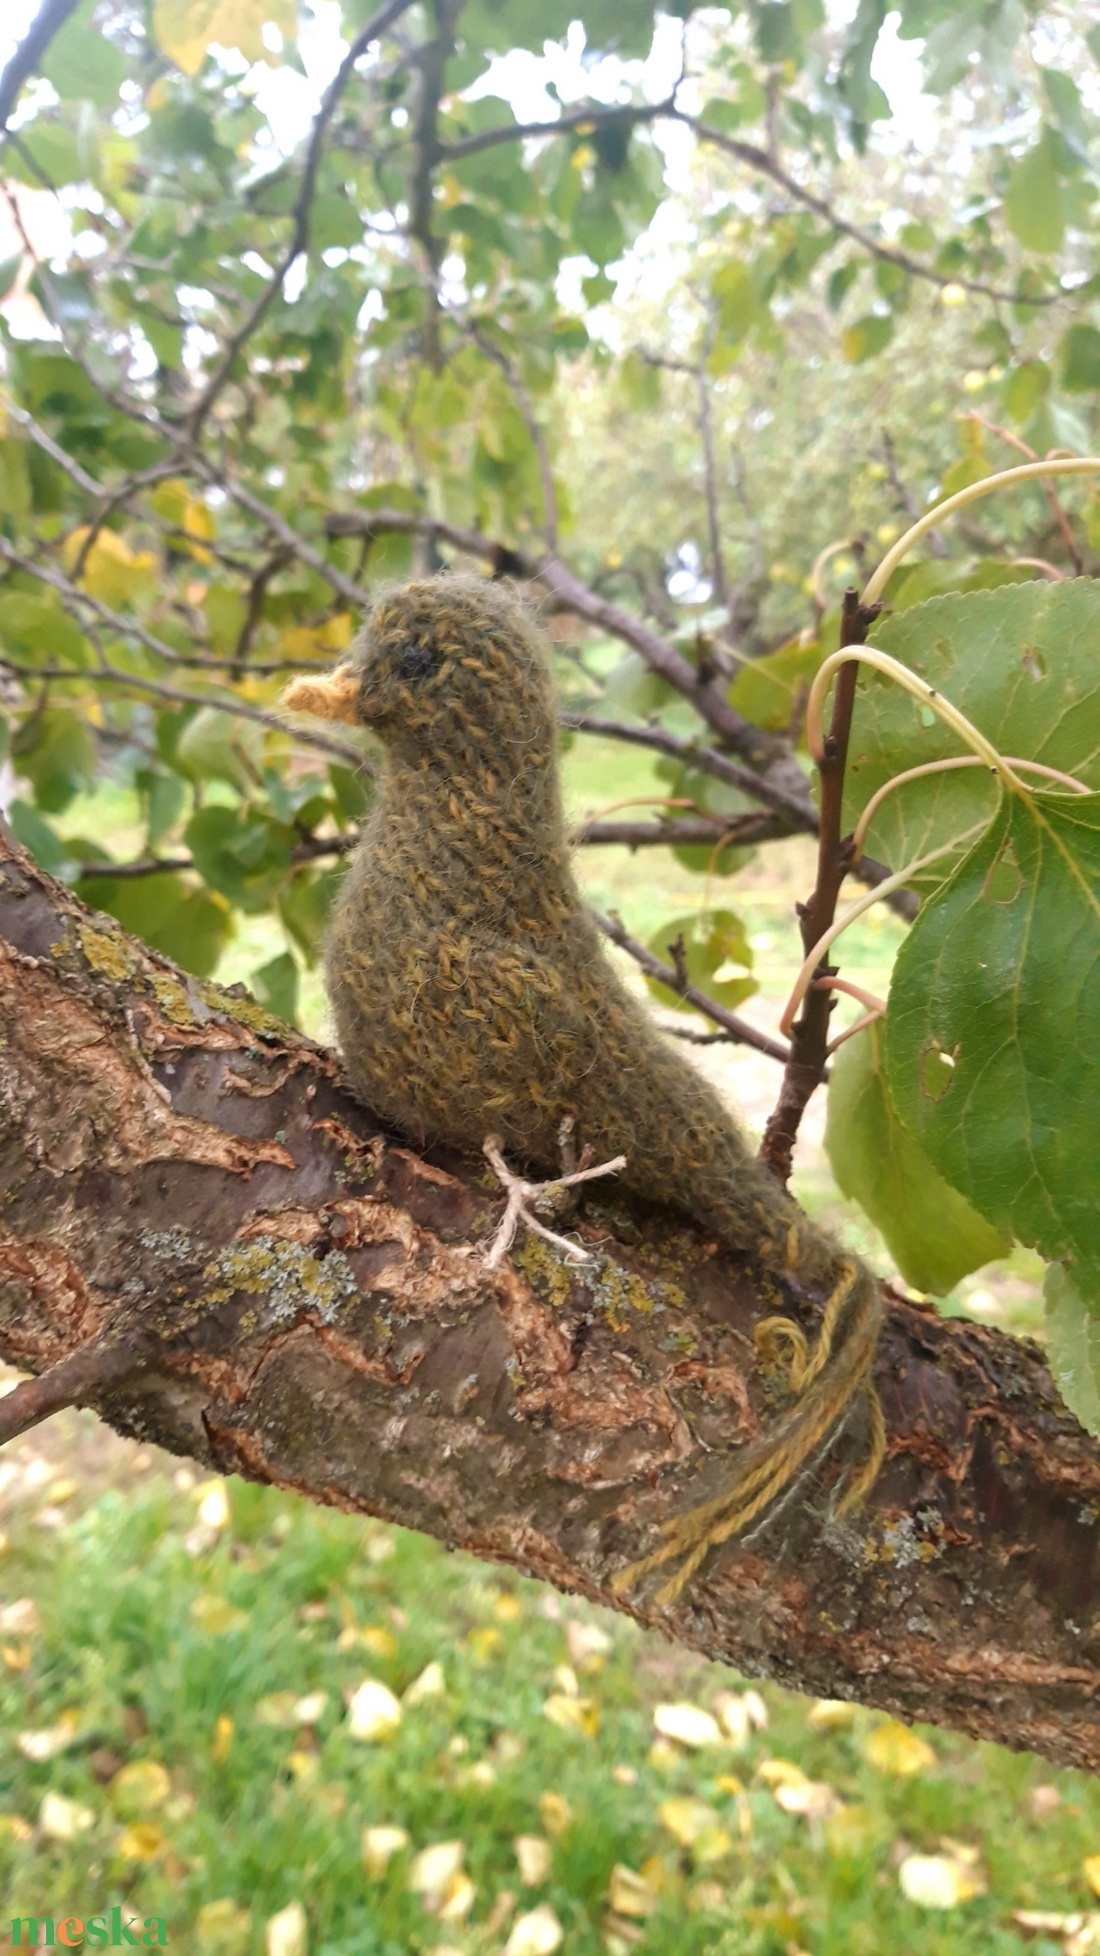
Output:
x=521 y=1194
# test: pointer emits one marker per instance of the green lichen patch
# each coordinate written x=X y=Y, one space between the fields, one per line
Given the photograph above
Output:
x=247 y=1012
x=290 y=1278
x=105 y=952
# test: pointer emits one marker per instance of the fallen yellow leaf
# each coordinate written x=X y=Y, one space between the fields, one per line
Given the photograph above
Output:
x=21 y=1618
x=533 y=1857
x=287 y=1934
x=555 y=1812
x=51 y=1740
x=631 y=1894
x=430 y=1684
x=893 y=1748
x=380 y=1844
x=61 y=1819
x=141 y=1842
x=373 y=1713
x=572 y=1714
x=457 y=1899
x=139 y=1788
x=538 y=1933
x=831 y=1715
x=435 y=1866
x=939 y=1881
x=689 y=1725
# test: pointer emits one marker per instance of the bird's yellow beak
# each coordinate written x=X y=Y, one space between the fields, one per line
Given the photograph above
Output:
x=332 y=697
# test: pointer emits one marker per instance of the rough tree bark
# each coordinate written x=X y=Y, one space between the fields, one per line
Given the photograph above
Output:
x=235 y=1261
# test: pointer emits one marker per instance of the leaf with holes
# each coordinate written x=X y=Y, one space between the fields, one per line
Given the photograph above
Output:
x=992 y=1036
x=931 y=1231
x=1021 y=663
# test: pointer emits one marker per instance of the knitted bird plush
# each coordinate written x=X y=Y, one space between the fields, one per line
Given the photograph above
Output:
x=471 y=994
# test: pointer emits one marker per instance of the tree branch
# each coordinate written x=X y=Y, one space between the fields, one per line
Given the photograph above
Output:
x=306 y=1311
x=805 y=1068
x=50 y=17
x=378 y=24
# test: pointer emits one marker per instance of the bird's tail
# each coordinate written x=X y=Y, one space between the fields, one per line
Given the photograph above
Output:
x=826 y=1378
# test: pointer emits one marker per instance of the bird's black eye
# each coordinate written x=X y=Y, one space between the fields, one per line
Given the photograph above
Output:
x=417 y=659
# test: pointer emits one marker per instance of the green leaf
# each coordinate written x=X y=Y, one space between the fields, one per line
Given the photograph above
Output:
x=1034 y=209
x=216 y=746
x=993 y=1027
x=84 y=65
x=163 y=797
x=1073 y=1347
x=1024 y=387
x=1080 y=355
x=709 y=941
x=334 y=220
x=931 y=1231
x=738 y=303
x=767 y=691
x=55 y=750
x=1021 y=663
x=192 y=927
x=275 y=984
x=634 y=688
x=304 y=905
x=36 y=835
x=867 y=337
x=38 y=629
x=240 y=854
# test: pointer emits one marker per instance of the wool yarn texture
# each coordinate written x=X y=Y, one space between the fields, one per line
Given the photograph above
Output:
x=471 y=995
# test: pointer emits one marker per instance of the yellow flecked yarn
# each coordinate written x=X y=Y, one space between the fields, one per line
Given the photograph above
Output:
x=471 y=994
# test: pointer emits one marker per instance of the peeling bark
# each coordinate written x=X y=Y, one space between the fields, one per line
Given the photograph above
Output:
x=237 y=1262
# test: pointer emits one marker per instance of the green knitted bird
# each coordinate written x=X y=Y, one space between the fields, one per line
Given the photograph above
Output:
x=472 y=995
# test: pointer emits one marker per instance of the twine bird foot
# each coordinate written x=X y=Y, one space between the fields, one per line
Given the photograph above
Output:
x=522 y=1193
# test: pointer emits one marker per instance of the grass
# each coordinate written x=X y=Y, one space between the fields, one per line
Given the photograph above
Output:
x=180 y=1650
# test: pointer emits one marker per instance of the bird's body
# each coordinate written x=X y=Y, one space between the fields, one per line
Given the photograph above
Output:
x=472 y=994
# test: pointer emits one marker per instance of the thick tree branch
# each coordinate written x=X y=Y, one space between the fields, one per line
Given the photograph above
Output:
x=184 y=1180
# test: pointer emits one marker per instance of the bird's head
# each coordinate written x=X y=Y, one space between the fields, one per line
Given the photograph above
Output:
x=445 y=667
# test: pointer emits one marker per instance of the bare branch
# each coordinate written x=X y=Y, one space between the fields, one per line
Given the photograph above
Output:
x=299 y=239
x=50 y=17
x=756 y=158
x=654 y=967
x=806 y=1062
x=715 y=831
x=584 y=119
x=759 y=159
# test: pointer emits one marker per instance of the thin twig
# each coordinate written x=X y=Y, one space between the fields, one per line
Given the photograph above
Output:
x=299 y=239
x=1061 y=519
x=713 y=831
x=68 y=1382
x=739 y=1029
x=805 y=1066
